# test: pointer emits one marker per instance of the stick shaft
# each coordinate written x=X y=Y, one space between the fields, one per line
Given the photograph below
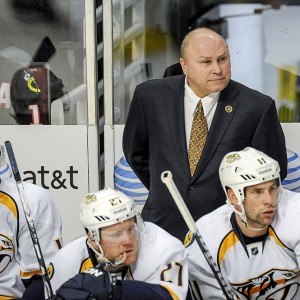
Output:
x=167 y=179
x=29 y=220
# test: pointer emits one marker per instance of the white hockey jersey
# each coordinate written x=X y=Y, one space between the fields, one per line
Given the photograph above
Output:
x=17 y=255
x=266 y=268
x=161 y=260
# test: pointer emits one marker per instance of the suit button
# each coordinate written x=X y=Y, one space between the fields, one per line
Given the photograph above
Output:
x=191 y=187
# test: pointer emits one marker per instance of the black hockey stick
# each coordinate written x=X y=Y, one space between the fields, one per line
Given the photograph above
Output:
x=29 y=220
x=166 y=178
x=44 y=52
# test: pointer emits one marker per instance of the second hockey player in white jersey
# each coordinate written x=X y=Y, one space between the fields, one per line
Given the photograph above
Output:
x=148 y=262
x=255 y=240
x=19 y=268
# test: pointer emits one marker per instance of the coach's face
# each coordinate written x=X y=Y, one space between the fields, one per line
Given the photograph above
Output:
x=206 y=64
x=119 y=242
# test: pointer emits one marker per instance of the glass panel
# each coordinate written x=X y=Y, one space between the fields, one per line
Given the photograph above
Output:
x=31 y=82
x=262 y=40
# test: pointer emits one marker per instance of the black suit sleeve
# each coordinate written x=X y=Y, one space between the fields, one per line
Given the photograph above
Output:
x=135 y=141
x=269 y=138
x=137 y=290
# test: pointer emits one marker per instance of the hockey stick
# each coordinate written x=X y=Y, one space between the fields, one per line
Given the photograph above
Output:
x=44 y=52
x=166 y=178
x=29 y=220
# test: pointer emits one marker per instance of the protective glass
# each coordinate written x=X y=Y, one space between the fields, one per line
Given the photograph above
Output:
x=116 y=237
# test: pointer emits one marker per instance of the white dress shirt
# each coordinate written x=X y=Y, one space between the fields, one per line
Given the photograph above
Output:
x=209 y=103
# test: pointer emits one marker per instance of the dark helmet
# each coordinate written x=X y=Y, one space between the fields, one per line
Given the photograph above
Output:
x=30 y=90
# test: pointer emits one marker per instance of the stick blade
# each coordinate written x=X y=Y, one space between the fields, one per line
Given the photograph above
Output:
x=44 y=52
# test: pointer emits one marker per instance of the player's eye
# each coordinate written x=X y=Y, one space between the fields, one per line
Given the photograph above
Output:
x=205 y=62
x=132 y=230
x=116 y=234
x=274 y=188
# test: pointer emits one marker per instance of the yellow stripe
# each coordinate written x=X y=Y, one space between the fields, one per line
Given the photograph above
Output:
x=9 y=203
x=230 y=240
x=86 y=264
x=6 y=297
x=26 y=275
x=292 y=84
x=226 y=244
x=281 y=85
x=174 y=296
x=274 y=236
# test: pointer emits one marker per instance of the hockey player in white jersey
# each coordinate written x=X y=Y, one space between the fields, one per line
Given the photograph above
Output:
x=19 y=269
x=255 y=239
x=137 y=260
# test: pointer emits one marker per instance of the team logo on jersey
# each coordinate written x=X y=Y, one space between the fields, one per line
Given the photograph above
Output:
x=90 y=198
x=50 y=270
x=6 y=251
x=274 y=284
x=232 y=158
x=254 y=250
x=189 y=238
x=115 y=201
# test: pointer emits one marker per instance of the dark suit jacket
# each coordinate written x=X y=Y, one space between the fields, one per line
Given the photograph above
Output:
x=154 y=141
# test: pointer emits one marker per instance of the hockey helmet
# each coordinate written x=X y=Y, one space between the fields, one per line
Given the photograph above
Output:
x=104 y=208
x=240 y=169
x=34 y=85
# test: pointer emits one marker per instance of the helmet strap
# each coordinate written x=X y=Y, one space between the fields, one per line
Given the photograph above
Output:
x=243 y=216
x=257 y=229
x=100 y=256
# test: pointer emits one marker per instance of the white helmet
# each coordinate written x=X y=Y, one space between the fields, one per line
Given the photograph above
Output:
x=104 y=208
x=240 y=169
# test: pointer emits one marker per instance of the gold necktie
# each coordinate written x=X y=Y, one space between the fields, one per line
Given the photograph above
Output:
x=197 y=138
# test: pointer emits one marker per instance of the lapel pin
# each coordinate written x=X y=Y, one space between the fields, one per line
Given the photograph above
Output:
x=228 y=109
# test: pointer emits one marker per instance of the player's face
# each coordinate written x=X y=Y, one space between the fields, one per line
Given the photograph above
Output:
x=260 y=203
x=206 y=63
x=120 y=240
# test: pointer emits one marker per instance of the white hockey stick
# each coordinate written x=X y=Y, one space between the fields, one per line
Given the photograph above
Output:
x=166 y=178
x=30 y=223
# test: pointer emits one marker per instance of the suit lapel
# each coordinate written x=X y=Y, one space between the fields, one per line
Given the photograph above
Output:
x=174 y=108
x=226 y=108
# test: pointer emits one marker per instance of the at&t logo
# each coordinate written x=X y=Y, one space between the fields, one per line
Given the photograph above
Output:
x=56 y=179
